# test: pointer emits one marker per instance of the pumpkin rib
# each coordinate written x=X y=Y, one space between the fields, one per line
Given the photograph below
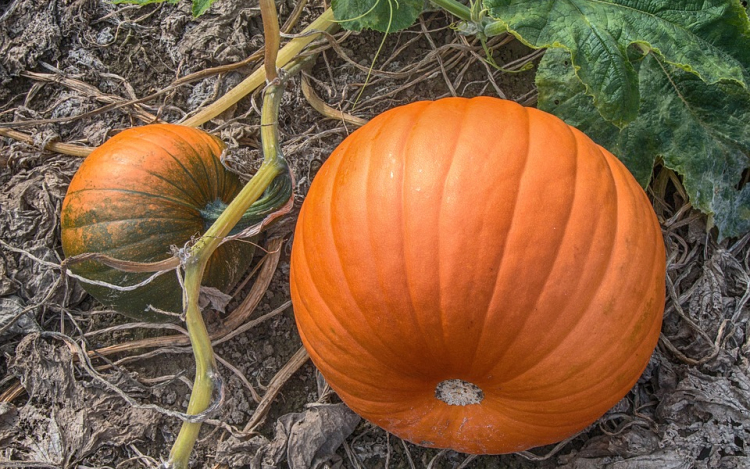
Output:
x=535 y=422
x=190 y=176
x=501 y=256
x=180 y=189
x=586 y=403
x=145 y=255
x=425 y=424
x=585 y=305
x=459 y=126
x=558 y=343
x=550 y=267
x=376 y=137
x=307 y=269
x=187 y=225
x=151 y=193
x=489 y=404
x=223 y=173
x=222 y=176
x=657 y=254
x=387 y=410
x=459 y=250
x=542 y=406
x=132 y=147
x=194 y=155
x=223 y=184
x=527 y=430
x=212 y=173
x=603 y=355
x=328 y=311
x=338 y=172
x=635 y=194
x=406 y=137
x=158 y=197
x=310 y=261
x=92 y=224
x=204 y=191
x=356 y=384
x=360 y=308
x=413 y=309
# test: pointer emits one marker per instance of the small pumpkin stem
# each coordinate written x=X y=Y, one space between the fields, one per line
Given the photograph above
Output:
x=276 y=195
x=200 y=398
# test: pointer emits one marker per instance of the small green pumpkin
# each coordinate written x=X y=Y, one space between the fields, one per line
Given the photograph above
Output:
x=139 y=195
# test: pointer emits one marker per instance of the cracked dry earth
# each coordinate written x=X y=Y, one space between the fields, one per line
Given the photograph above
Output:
x=69 y=71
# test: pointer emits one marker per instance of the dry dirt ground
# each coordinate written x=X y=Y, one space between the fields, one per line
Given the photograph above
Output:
x=69 y=72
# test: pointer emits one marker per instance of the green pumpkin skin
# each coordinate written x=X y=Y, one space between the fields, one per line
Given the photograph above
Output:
x=136 y=197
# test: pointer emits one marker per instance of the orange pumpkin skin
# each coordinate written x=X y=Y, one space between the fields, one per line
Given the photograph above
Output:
x=137 y=195
x=481 y=241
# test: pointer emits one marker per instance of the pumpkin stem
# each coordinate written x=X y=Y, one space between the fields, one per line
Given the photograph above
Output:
x=275 y=196
x=459 y=392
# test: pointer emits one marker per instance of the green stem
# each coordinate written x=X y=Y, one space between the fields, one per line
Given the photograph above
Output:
x=455 y=8
x=269 y=121
x=287 y=53
x=495 y=28
x=274 y=197
x=205 y=364
x=273 y=165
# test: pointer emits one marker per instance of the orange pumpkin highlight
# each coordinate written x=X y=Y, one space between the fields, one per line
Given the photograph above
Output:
x=476 y=275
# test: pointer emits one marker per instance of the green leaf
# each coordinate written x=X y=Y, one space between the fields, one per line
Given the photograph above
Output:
x=381 y=15
x=689 y=34
x=699 y=130
x=201 y=6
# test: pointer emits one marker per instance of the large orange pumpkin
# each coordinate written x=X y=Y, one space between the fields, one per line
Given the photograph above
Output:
x=476 y=275
x=142 y=192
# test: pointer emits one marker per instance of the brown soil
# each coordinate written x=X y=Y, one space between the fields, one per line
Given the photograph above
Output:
x=63 y=61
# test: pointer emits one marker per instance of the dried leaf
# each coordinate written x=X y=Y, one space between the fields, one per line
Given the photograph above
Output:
x=662 y=459
x=213 y=297
x=235 y=452
x=8 y=423
x=308 y=439
x=10 y=308
x=68 y=419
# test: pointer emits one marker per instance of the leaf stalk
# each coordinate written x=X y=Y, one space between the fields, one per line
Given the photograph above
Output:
x=455 y=8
